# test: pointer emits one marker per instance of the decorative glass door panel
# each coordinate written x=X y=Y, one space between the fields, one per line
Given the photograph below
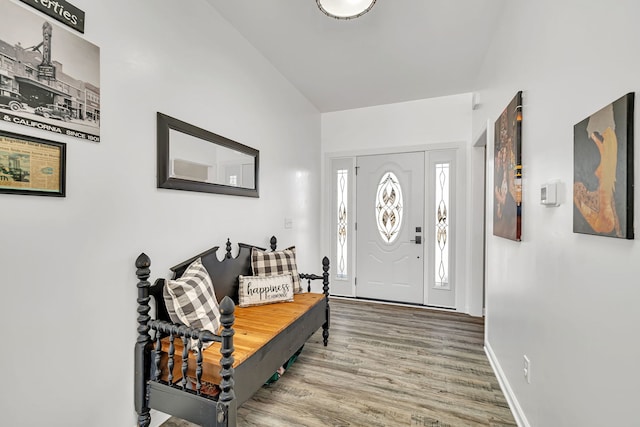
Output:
x=388 y=209
x=441 y=250
x=342 y=213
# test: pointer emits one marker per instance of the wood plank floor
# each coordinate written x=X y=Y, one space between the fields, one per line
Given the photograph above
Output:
x=385 y=366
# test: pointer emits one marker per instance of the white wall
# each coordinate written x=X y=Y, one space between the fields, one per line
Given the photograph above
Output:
x=568 y=301
x=68 y=276
x=422 y=124
x=405 y=124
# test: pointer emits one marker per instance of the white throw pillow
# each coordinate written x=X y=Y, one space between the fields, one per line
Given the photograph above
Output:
x=258 y=290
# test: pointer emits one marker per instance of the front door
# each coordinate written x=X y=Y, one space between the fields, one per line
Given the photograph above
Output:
x=390 y=227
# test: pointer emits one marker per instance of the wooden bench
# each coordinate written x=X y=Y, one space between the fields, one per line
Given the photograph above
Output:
x=253 y=342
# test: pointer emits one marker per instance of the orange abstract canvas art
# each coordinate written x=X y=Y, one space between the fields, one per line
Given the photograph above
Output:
x=603 y=171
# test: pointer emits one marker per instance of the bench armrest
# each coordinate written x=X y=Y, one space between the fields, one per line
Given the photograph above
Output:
x=324 y=277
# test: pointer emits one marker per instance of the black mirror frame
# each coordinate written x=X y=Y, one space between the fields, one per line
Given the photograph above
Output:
x=165 y=124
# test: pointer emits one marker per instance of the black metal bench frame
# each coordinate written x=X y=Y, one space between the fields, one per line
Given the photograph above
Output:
x=237 y=385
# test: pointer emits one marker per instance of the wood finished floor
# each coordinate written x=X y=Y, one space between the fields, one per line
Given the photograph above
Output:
x=385 y=366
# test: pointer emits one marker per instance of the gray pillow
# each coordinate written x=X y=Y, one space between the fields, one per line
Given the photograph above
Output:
x=275 y=263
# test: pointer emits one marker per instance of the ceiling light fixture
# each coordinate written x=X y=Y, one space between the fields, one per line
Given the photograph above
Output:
x=345 y=9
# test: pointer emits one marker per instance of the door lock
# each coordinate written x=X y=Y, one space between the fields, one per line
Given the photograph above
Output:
x=418 y=240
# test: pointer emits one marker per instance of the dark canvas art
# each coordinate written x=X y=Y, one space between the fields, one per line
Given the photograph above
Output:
x=507 y=172
x=603 y=171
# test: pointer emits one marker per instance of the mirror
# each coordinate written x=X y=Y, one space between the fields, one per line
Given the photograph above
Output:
x=193 y=159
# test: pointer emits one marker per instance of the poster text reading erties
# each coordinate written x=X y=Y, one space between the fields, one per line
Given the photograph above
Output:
x=59 y=9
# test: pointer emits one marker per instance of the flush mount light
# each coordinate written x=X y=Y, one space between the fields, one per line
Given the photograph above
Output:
x=345 y=9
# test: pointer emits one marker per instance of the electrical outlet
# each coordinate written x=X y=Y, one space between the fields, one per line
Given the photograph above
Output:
x=527 y=369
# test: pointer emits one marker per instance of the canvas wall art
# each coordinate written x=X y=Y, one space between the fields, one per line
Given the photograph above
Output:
x=49 y=76
x=507 y=172
x=603 y=171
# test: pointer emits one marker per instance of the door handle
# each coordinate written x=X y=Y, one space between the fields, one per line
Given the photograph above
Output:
x=418 y=240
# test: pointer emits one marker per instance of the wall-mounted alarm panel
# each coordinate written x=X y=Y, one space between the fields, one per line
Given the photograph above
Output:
x=549 y=194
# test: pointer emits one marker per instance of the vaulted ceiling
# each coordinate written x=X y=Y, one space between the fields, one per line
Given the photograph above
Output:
x=401 y=50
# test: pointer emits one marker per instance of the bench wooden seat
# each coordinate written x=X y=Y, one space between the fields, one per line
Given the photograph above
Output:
x=255 y=329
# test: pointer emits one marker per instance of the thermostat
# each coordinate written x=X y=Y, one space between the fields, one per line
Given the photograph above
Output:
x=549 y=194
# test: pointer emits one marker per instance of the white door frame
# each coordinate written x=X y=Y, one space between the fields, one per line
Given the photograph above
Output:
x=463 y=199
x=478 y=197
x=341 y=286
x=434 y=296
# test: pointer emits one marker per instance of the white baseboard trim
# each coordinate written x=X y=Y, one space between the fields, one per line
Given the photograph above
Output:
x=157 y=418
x=398 y=304
x=516 y=409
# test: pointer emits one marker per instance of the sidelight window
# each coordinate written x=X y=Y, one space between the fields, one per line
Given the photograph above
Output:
x=342 y=176
x=442 y=225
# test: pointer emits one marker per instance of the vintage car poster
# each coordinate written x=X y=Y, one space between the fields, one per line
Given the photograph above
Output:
x=49 y=76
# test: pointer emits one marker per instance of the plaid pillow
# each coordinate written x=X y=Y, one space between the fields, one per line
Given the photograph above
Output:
x=191 y=300
x=258 y=290
x=274 y=263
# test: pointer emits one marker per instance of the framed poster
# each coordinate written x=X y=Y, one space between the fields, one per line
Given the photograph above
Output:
x=31 y=165
x=507 y=172
x=49 y=76
x=61 y=11
x=603 y=171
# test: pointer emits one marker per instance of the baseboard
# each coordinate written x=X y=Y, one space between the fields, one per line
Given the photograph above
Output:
x=515 y=407
x=398 y=304
x=157 y=418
